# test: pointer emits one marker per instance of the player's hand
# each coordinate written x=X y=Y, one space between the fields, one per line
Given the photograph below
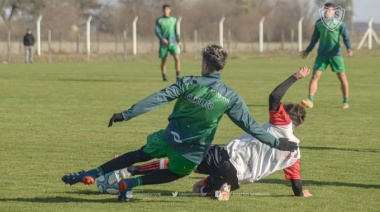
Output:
x=306 y=193
x=304 y=54
x=165 y=41
x=350 y=53
x=302 y=73
x=117 y=117
x=286 y=145
x=180 y=45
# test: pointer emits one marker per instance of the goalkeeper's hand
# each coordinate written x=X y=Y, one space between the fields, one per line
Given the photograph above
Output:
x=117 y=117
x=286 y=145
x=304 y=54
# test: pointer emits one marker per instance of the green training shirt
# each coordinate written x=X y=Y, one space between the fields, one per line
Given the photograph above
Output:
x=201 y=103
x=329 y=41
x=166 y=28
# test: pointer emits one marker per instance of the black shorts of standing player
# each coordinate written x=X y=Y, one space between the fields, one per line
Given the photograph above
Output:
x=217 y=165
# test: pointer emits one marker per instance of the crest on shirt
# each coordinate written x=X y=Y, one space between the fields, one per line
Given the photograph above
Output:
x=332 y=17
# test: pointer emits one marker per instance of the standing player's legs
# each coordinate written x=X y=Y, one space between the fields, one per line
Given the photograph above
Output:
x=175 y=51
x=320 y=65
x=344 y=86
x=337 y=66
x=162 y=54
x=163 y=69
x=31 y=54
x=177 y=66
x=26 y=54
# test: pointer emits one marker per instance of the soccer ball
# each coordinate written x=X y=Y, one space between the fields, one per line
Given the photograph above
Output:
x=108 y=183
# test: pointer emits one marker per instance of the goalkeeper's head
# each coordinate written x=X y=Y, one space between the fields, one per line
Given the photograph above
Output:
x=214 y=58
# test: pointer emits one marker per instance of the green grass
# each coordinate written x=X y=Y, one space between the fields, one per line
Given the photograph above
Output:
x=54 y=121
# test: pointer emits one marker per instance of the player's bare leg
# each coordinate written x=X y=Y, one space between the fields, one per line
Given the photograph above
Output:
x=177 y=65
x=197 y=186
x=313 y=86
x=163 y=69
x=344 y=86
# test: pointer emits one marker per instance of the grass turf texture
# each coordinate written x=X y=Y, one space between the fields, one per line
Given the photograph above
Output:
x=54 y=121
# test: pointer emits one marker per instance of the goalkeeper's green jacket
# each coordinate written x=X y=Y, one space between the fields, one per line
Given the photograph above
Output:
x=329 y=40
x=166 y=28
x=201 y=103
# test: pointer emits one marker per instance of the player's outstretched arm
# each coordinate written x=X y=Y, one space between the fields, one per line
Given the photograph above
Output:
x=314 y=40
x=292 y=173
x=297 y=189
x=346 y=39
x=239 y=114
x=279 y=92
x=152 y=102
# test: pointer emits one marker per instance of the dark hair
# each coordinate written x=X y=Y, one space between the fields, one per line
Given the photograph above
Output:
x=215 y=56
x=329 y=5
x=296 y=113
x=165 y=6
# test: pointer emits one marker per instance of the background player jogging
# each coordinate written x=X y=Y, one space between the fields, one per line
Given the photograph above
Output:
x=201 y=103
x=328 y=30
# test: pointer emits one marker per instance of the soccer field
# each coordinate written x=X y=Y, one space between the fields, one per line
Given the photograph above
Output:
x=54 y=120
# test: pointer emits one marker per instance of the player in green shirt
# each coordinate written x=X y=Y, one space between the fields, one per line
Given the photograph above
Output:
x=166 y=32
x=329 y=52
x=201 y=103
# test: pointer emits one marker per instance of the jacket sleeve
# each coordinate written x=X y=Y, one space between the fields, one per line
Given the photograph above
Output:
x=292 y=173
x=279 y=92
x=177 y=37
x=346 y=37
x=314 y=39
x=239 y=114
x=154 y=101
x=158 y=30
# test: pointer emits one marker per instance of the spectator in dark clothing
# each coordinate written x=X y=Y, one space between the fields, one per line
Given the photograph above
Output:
x=28 y=44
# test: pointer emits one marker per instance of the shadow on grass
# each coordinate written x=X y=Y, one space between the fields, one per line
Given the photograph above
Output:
x=340 y=149
x=142 y=192
x=256 y=105
x=321 y=183
x=92 y=80
x=106 y=199
x=109 y=199
x=59 y=199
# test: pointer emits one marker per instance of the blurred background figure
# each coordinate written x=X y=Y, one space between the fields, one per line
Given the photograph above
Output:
x=28 y=44
x=166 y=32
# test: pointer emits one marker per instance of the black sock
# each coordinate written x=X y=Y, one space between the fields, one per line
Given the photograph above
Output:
x=134 y=170
x=125 y=160
x=164 y=77
x=178 y=73
x=160 y=176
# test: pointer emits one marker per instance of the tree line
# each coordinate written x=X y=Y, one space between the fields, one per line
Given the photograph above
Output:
x=65 y=18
